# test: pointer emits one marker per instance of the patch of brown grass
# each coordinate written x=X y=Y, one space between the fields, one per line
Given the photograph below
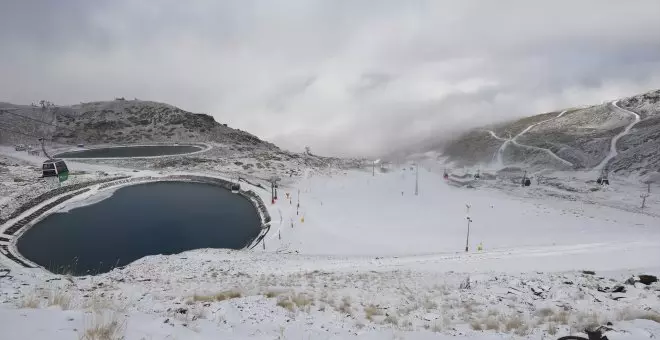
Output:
x=221 y=296
x=370 y=311
x=109 y=326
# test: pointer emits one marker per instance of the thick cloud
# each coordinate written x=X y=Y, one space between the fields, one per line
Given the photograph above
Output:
x=345 y=77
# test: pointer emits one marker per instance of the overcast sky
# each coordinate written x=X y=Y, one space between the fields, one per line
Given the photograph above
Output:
x=345 y=77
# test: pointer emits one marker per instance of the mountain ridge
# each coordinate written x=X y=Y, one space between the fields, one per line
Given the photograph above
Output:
x=118 y=122
x=580 y=136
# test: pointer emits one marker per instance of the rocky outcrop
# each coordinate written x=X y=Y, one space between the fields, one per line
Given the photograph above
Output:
x=122 y=122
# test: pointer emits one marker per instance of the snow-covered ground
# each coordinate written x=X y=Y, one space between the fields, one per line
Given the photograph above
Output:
x=366 y=258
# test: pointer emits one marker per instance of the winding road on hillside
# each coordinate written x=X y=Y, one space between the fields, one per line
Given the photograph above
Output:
x=514 y=140
x=613 y=151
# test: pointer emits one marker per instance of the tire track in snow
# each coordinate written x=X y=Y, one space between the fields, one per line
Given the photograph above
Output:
x=500 y=151
x=477 y=261
x=613 y=151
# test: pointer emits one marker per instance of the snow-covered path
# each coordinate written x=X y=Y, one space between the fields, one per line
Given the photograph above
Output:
x=498 y=154
x=613 y=151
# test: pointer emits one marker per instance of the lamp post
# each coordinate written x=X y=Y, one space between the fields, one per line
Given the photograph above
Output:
x=467 y=239
x=416 y=179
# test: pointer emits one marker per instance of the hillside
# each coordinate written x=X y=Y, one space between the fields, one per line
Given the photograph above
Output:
x=575 y=138
x=118 y=122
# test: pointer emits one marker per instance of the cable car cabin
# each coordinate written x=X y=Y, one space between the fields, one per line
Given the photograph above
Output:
x=526 y=182
x=235 y=188
x=54 y=167
x=603 y=181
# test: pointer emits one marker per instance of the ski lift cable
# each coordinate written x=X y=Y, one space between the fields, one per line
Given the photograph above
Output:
x=36 y=120
x=23 y=133
x=31 y=135
x=47 y=123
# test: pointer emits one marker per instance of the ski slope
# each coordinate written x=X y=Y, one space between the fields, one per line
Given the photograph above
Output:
x=514 y=140
x=361 y=243
x=357 y=214
x=613 y=150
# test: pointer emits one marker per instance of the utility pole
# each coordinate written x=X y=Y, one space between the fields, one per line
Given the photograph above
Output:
x=644 y=196
x=416 y=179
x=467 y=239
x=373 y=168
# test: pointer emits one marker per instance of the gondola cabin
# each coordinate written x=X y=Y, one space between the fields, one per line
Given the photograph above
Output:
x=526 y=182
x=54 y=167
x=603 y=181
x=235 y=188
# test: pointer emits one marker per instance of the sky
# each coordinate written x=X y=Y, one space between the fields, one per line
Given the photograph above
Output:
x=344 y=77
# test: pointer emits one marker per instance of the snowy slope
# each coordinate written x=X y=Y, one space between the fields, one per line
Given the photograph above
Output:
x=371 y=260
x=582 y=137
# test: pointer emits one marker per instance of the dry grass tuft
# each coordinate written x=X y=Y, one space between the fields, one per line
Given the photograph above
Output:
x=345 y=306
x=370 y=311
x=272 y=293
x=286 y=304
x=301 y=300
x=650 y=316
x=629 y=314
x=392 y=319
x=226 y=295
x=59 y=298
x=492 y=324
x=514 y=323
x=545 y=312
x=552 y=329
x=560 y=318
x=30 y=301
x=108 y=326
x=476 y=325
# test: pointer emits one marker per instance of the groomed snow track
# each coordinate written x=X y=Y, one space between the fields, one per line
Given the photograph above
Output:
x=613 y=150
x=514 y=140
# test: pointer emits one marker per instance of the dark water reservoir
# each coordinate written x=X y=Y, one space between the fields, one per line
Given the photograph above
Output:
x=131 y=151
x=141 y=220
